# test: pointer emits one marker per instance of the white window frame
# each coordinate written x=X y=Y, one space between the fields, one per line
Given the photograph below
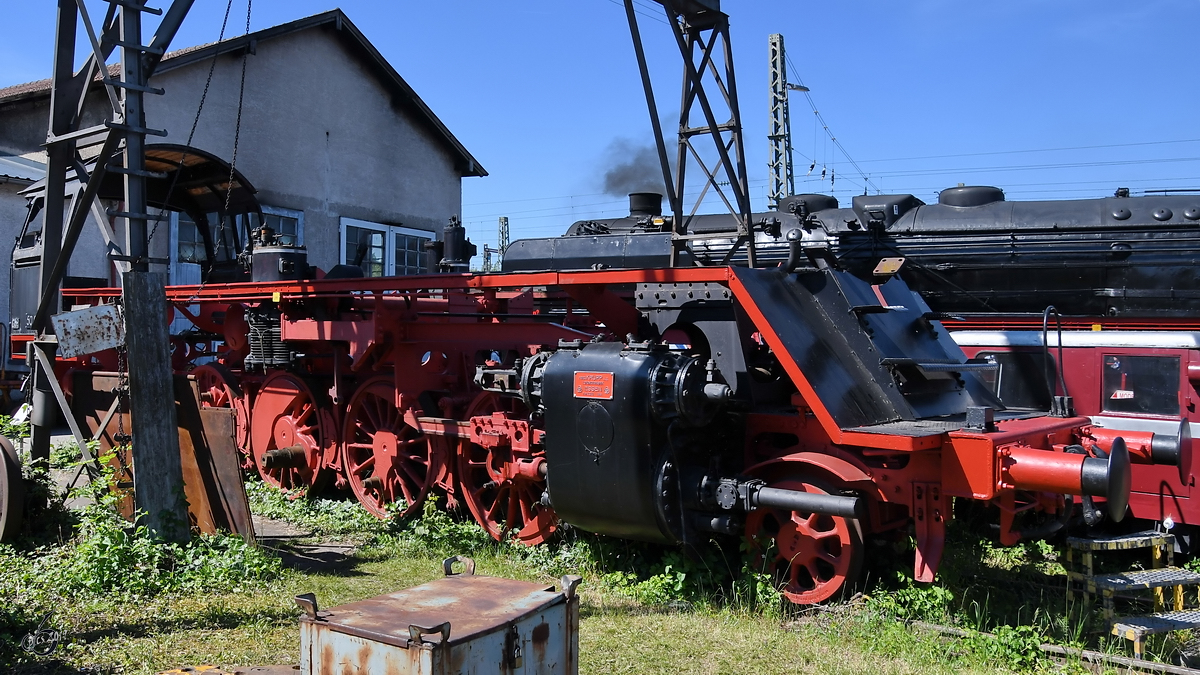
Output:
x=389 y=240
x=288 y=213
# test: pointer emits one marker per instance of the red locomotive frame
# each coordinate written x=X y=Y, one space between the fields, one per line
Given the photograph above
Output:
x=353 y=405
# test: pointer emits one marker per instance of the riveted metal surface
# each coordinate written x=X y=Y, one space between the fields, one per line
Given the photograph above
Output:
x=89 y=330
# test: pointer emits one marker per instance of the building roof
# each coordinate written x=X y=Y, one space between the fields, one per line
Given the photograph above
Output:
x=349 y=35
x=19 y=168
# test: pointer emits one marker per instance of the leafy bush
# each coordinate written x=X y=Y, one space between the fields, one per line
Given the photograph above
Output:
x=656 y=575
x=437 y=531
x=321 y=516
x=110 y=557
x=568 y=555
x=13 y=430
x=757 y=591
x=913 y=601
x=1013 y=647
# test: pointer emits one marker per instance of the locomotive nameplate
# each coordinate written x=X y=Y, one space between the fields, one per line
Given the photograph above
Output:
x=594 y=385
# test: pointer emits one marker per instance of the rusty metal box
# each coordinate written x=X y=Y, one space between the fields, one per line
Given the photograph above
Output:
x=459 y=624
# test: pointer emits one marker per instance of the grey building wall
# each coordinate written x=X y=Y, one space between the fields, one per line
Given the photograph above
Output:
x=319 y=134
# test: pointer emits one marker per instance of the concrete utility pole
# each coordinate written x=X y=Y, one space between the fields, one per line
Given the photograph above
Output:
x=783 y=182
x=502 y=240
x=158 y=476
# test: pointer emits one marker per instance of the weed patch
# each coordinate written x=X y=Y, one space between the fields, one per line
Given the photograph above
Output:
x=318 y=516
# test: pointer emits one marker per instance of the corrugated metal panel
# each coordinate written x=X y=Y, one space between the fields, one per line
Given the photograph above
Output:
x=21 y=168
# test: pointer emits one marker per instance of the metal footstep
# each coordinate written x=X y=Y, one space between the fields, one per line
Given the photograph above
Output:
x=1162 y=575
x=1142 y=580
x=1122 y=542
x=1137 y=628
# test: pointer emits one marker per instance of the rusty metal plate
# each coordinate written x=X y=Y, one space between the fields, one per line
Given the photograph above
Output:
x=90 y=330
x=474 y=605
x=208 y=451
x=244 y=670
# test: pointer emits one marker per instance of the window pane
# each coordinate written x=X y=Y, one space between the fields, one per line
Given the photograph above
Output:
x=227 y=235
x=285 y=228
x=366 y=246
x=1141 y=384
x=1021 y=379
x=191 y=246
x=409 y=257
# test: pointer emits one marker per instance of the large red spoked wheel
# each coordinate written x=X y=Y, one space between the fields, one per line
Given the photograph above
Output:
x=387 y=462
x=502 y=487
x=219 y=389
x=286 y=434
x=813 y=557
x=12 y=491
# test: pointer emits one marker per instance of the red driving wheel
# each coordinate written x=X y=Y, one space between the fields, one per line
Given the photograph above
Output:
x=813 y=557
x=387 y=462
x=219 y=389
x=286 y=435
x=503 y=488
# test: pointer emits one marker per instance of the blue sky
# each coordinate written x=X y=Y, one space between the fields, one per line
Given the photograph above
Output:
x=1046 y=99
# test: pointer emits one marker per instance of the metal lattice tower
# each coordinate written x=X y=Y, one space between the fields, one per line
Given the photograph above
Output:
x=121 y=139
x=783 y=181
x=701 y=32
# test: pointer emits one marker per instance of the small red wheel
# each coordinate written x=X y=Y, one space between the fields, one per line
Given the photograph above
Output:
x=286 y=434
x=503 y=495
x=386 y=460
x=813 y=557
x=219 y=389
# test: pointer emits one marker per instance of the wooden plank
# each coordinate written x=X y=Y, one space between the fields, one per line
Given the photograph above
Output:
x=158 y=480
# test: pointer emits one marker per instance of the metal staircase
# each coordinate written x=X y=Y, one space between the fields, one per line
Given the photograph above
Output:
x=1162 y=575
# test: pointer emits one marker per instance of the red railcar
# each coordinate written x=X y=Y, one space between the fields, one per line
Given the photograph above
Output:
x=1136 y=381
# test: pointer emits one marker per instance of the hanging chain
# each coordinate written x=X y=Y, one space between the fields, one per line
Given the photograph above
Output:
x=237 y=133
x=122 y=439
x=195 y=123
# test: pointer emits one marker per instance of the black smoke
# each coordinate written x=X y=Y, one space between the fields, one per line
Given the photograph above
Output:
x=632 y=168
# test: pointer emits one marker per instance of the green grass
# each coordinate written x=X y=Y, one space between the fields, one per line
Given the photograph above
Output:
x=618 y=634
x=131 y=605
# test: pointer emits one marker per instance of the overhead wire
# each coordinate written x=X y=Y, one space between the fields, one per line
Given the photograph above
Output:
x=1033 y=150
x=828 y=132
x=644 y=11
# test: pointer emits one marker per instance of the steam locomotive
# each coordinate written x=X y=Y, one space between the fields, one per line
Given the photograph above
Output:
x=804 y=406
x=1120 y=273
